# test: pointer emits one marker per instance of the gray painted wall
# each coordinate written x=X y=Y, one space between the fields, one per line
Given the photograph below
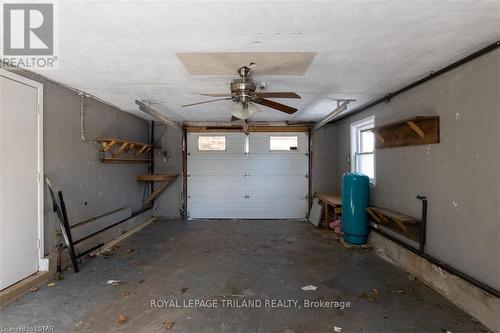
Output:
x=169 y=161
x=90 y=187
x=460 y=175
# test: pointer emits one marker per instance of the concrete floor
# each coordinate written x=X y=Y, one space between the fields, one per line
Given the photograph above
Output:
x=239 y=261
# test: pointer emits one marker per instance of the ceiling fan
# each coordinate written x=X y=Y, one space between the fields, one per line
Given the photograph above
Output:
x=245 y=94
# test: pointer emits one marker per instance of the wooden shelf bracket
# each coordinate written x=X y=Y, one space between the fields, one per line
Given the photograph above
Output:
x=164 y=181
x=119 y=151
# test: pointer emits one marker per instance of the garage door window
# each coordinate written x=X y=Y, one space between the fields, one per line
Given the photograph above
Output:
x=284 y=143
x=211 y=143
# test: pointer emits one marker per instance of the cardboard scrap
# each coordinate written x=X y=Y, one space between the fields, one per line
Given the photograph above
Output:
x=168 y=324
x=309 y=288
x=121 y=319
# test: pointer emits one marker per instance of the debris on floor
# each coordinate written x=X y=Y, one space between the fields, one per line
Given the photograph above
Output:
x=370 y=296
x=337 y=227
x=354 y=246
x=34 y=289
x=51 y=284
x=168 y=324
x=309 y=287
x=115 y=283
x=126 y=293
x=183 y=290
x=107 y=253
x=121 y=319
x=337 y=329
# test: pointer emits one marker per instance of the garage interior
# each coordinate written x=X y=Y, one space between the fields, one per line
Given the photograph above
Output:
x=199 y=167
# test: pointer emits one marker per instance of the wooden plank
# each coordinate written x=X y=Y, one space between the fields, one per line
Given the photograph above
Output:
x=415 y=128
x=156 y=192
x=329 y=198
x=397 y=124
x=141 y=150
x=373 y=215
x=123 y=146
x=420 y=130
x=120 y=141
x=403 y=218
x=124 y=160
x=155 y=178
x=290 y=128
x=108 y=145
x=239 y=128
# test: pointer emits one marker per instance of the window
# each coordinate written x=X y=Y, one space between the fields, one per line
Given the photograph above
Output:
x=210 y=143
x=286 y=143
x=362 y=147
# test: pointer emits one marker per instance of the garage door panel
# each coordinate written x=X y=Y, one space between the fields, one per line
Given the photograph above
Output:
x=222 y=165
x=277 y=165
x=274 y=186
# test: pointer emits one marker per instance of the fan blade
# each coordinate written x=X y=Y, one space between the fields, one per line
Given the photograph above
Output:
x=216 y=95
x=277 y=95
x=275 y=105
x=213 y=100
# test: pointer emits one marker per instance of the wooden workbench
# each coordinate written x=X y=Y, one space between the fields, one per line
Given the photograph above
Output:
x=329 y=200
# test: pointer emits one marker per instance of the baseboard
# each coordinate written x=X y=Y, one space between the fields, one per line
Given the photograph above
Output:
x=478 y=303
x=22 y=287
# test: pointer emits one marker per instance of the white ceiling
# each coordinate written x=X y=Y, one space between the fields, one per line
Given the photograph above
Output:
x=120 y=51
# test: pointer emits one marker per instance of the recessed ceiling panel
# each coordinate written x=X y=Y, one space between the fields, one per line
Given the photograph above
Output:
x=226 y=63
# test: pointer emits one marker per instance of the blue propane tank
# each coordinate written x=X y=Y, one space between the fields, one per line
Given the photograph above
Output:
x=354 y=202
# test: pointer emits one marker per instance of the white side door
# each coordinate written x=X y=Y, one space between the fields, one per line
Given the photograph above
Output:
x=19 y=186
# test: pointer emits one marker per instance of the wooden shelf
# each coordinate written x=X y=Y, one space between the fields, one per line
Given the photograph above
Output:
x=155 y=178
x=382 y=215
x=165 y=180
x=124 y=151
x=124 y=160
x=420 y=130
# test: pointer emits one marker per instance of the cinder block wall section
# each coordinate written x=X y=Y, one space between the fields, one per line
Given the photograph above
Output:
x=460 y=175
x=90 y=187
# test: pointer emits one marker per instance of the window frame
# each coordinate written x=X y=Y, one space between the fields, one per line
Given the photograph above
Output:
x=284 y=150
x=211 y=150
x=355 y=135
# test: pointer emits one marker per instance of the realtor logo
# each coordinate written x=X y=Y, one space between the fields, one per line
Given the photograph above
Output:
x=30 y=36
x=28 y=29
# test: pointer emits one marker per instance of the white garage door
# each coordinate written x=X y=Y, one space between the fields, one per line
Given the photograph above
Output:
x=262 y=175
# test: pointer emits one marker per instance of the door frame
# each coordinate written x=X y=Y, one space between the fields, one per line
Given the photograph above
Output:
x=43 y=264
